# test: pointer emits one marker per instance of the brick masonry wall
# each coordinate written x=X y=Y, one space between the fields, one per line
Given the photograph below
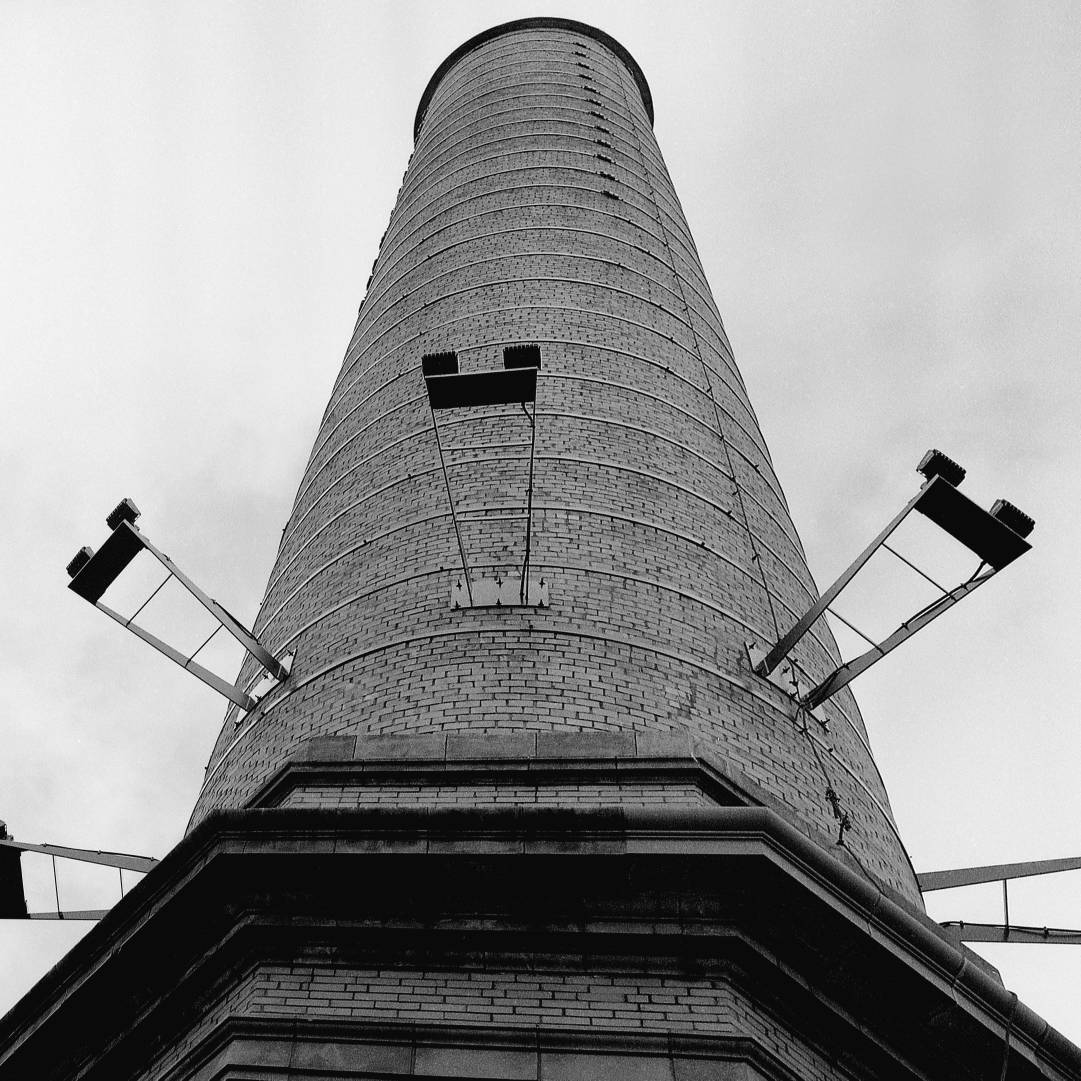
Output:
x=352 y=797
x=537 y=208
x=615 y=1002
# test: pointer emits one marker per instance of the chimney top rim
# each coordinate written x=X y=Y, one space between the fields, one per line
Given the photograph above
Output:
x=542 y=23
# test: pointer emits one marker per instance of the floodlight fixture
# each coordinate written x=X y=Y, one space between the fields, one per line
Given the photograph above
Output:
x=964 y=931
x=93 y=572
x=997 y=537
x=936 y=464
x=124 y=511
x=514 y=384
x=521 y=356
x=439 y=363
x=12 y=897
x=1009 y=515
x=79 y=560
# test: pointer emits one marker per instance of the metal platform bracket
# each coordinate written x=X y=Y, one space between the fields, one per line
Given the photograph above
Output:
x=93 y=572
x=1004 y=873
x=996 y=537
x=514 y=384
x=12 y=899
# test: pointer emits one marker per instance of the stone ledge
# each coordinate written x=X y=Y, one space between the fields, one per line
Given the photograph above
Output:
x=734 y=887
x=361 y=1049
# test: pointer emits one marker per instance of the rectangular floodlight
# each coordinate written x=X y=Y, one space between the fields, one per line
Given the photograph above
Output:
x=521 y=356
x=92 y=575
x=439 y=363
x=511 y=386
x=997 y=537
x=990 y=538
x=97 y=573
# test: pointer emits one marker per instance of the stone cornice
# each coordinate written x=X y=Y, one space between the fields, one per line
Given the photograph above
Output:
x=692 y=884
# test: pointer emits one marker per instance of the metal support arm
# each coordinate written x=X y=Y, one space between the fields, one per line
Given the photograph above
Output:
x=784 y=646
x=842 y=676
x=998 y=932
x=86 y=855
x=997 y=872
x=98 y=572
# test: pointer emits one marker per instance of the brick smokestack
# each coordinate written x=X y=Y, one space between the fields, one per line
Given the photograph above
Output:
x=537 y=208
x=577 y=841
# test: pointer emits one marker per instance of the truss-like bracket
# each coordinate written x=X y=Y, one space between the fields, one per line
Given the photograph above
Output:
x=514 y=384
x=786 y=678
x=1004 y=873
x=995 y=536
x=93 y=572
x=12 y=901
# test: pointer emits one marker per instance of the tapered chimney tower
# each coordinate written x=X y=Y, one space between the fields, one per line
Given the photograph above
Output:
x=537 y=210
x=522 y=808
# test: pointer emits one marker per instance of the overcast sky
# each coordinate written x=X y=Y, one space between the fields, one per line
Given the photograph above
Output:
x=885 y=198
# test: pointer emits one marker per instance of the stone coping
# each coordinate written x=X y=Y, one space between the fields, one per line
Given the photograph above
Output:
x=468 y=756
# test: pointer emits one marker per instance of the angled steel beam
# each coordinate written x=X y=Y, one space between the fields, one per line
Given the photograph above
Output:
x=845 y=673
x=998 y=872
x=997 y=932
x=86 y=855
x=71 y=914
x=93 y=574
x=785 y=645
x=211 y=679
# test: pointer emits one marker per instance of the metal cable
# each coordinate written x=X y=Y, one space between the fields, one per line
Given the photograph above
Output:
x=755 y=558
x=450 y=499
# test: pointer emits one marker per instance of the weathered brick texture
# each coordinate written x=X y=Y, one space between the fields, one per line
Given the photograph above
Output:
x=610 y=1002
x=537 y=208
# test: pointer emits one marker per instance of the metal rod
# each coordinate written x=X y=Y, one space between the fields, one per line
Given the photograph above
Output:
x=450 y=499
x=206 y=642
x=245 y=637
x=784 y=646
x=909 y=563
x=997 y=932
x=151 y=597
x=1005 y=905
x=245 y=701
x=524 y=592
x=854 y=629
x=56 y=889
x=120 y=872
x=842 y=676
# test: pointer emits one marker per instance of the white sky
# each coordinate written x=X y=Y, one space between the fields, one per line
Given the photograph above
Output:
x=885 y=197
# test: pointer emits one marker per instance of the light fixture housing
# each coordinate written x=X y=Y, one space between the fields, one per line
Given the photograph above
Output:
x=936 y=464
x=439 y=363
x=124 y=511
x=521 y=356
x=1012 y=518
x=80 y=560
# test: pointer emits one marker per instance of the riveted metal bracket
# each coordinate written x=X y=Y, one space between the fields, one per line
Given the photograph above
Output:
x=500 y=592
x=786 y=679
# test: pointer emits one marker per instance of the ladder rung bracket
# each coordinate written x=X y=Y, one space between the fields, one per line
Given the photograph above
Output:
x=908 y=563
